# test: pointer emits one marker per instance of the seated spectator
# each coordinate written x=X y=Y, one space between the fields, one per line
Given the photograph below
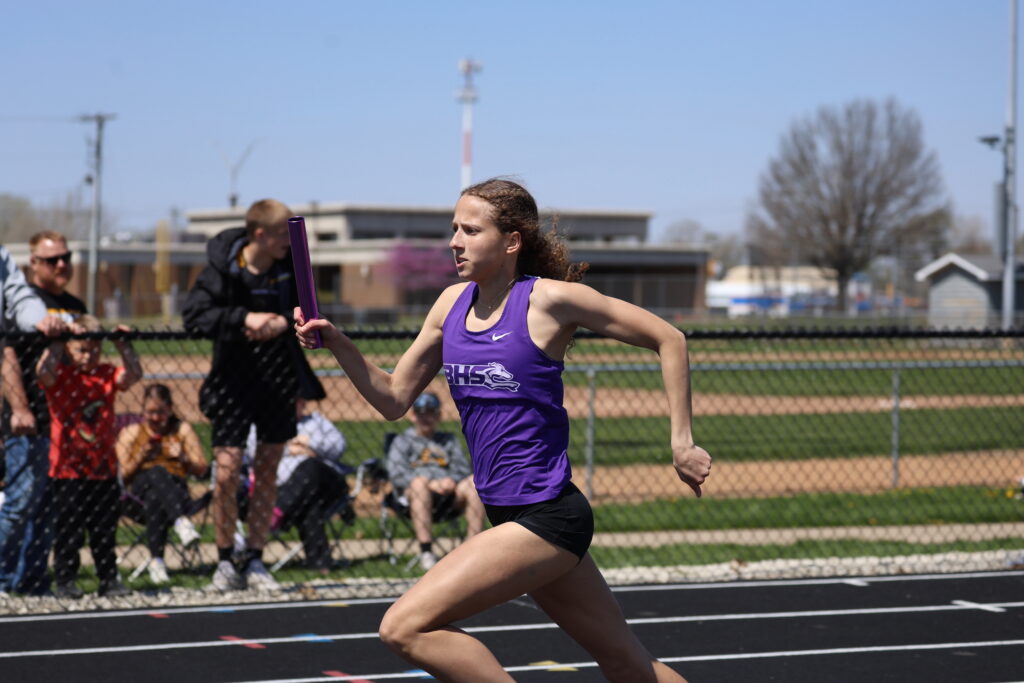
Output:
x=80 y=394
x=430 y=470
x=156 y=457
x=310 y=483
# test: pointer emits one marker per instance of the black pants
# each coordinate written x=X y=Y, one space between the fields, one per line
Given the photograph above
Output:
x=85 y=505
x=305 y=500
x=164 y=498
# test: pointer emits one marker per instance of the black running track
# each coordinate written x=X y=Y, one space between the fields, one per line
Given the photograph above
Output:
x=940 y=627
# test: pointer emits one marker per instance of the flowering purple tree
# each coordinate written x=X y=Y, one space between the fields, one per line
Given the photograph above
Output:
x=420 y=269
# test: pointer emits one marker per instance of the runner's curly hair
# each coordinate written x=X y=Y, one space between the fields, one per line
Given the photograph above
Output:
x=544 y=253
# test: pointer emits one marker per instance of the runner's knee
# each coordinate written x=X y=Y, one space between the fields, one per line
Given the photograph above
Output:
x=396 y=633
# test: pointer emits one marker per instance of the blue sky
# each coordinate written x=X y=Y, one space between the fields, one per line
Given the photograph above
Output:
x=669 y=107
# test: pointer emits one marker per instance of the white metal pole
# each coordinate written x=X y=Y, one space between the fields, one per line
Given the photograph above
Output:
x=467 y=145
x=468 y=97
x=1010 y=161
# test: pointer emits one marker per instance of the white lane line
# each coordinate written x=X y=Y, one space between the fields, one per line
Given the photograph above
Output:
x=269 y=606
x=815 y=582
x=146 y=611
x=978 y=605
x=693 y=658
x=511 y=627
x=844 y=651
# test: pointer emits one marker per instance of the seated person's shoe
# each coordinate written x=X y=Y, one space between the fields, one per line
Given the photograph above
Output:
x=158 y=571
x=114 y=589
x=186 y=531
x=427 y=560
x=68 y=591
x=258 y=576
x=227 y=578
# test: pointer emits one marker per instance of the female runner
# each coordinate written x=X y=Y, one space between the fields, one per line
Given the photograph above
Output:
x=501 y=338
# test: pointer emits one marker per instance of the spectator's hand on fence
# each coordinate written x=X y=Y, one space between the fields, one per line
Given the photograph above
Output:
x=264 y=326
x=23 y=422
x=306 y=330
x=693 y=465
x=122 y=343
x=52 y=325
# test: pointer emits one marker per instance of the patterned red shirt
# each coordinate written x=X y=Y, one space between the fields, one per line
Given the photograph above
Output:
x=82 y=432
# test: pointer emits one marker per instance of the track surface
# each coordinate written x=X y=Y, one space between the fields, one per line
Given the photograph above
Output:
x=942 y=627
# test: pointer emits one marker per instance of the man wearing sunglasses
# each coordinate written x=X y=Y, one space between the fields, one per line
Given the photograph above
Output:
x=26 y=533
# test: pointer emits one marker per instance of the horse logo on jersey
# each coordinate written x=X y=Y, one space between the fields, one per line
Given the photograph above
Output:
x=494 y=375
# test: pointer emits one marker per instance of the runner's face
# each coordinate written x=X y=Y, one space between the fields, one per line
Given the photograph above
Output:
x=53 y=277
x=156 y=413
x=477 y=244
x=84 y=353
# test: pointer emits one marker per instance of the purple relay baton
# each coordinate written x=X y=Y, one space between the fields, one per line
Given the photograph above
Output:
x=303 y=270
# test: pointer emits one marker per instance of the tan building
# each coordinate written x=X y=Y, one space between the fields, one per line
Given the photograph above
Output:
x=351 y=248
x=351 y=244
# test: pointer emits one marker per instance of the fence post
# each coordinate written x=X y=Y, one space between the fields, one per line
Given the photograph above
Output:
x=895 y=427
x=588 y=449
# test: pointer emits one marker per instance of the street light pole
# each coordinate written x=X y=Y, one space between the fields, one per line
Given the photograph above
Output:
x=1009 y=180
x=1006 y=209
x=94 y=226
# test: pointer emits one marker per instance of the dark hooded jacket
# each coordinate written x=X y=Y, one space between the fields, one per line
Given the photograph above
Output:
x=245 y=372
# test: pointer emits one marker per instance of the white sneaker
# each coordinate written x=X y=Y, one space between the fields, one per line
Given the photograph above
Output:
x=258 y=576
x=226 y=578
x=158 y=571
x=427 y=560
x=186 y=532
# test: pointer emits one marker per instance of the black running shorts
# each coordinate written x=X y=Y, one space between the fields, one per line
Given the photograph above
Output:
x=566 y=521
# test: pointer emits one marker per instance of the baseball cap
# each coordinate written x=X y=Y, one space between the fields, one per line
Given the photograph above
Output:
x=426 y=402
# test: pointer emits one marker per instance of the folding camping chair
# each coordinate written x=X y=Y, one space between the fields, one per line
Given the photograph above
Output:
x=394 y=514
x=342 y=508
x=132 y=520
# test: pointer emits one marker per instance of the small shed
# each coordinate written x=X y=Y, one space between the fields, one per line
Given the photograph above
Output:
x=966 y=290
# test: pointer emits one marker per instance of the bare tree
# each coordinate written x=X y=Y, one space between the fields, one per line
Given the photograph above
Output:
x=20 y=219
x=846 y=186
x=684 y=231
x=968 y=235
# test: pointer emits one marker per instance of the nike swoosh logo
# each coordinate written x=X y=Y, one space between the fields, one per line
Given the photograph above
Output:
x=496 y=337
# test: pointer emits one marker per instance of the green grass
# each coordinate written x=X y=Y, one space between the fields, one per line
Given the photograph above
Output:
x=732 y=438
x=690 y=554
x=932 y=506
x=817 y=383
x=735 y=438
x=960 y=504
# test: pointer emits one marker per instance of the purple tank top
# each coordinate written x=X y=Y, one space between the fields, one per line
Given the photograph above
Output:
x=509 y=395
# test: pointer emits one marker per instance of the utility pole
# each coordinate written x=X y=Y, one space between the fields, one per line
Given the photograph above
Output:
x=467 y=67
x=94 y=227
x=1010 y=182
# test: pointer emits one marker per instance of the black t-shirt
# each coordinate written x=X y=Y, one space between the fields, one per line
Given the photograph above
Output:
x=29 y=350
x=270 y=292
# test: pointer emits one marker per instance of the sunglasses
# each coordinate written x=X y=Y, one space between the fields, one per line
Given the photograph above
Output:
x=54 y=260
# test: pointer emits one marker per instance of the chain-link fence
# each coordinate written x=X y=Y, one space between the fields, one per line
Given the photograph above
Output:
x=850 y=452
